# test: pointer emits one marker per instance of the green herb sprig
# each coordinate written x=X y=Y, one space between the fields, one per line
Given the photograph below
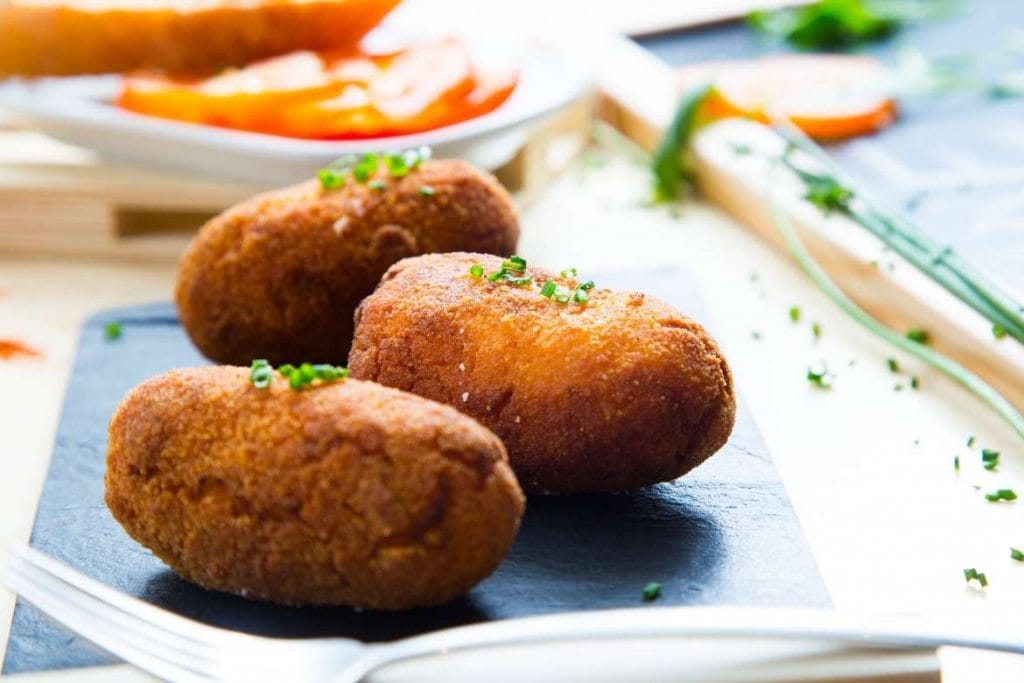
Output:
x=363 y=168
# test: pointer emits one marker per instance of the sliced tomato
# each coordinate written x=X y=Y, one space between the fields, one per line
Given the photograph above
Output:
x=829 y=97
x=325 y=95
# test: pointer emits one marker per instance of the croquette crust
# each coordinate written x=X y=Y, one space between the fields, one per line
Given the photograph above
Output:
x=620 y=393
x=279 y=276
x=345 y=494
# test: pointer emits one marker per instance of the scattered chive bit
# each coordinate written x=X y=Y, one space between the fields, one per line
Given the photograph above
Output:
x=112 y=331
x=306 y=373
x=893 y=365
x=897 y=387
x=377 y=184
x=818 y=375
x=754 y=334
x=330 y=179
x=998 y=331
x=569 y=273
x=972 y=574
x=989 y=459
x=562 y=294
x=915 y=383
x=476 y=271
x=586 y=286
x=816 y=330
x=970 y=442
x=580 y=296
x=512 y=269
x=548 y=289
x=956 y=463
x=794 y=314
x=652 y=591
x=1016 y=554
x=426 y=191
x=261 y=374
x=1000 y=495
x=918 y=335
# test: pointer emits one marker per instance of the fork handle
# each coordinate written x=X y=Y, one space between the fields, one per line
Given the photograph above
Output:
x=880 y=632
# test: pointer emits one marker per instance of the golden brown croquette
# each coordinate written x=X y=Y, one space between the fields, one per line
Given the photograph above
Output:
x=279 y=276
x=618 y=393
x=347 y=493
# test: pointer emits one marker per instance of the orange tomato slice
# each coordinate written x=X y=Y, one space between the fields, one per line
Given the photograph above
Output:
x=829 y=97
x=331 y=95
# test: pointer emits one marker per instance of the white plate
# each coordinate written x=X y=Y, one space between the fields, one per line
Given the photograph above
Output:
x=80 y=111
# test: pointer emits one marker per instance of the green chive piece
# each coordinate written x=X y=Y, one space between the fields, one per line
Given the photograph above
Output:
x=970 y=442
x=587 y=286
x=915 y=383
x=1017 y=555
x=816 y=330
x=562 y=294
x=497 y=275
x=377 y=184
x=580 y=296
x=652 y=591
x=548 y=289
x=366 y=167
x=569 y=272
x=521 y=281
x=794 y=314
x=819 y=376
x=1001 y=495
x=112 y=331
x=426 y=191
x=396 y=165
x=972 y=574
x=476 y=271
x=330 y=179
x=956 y=463
x=893 y=365
x=918 y=335
x=998 y=331
x=261 y=374
x=989 y=459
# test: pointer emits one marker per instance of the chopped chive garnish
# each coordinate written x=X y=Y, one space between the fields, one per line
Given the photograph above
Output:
x=307 y=373
x=956 y=463
x=580 y=296
x=397 y=165
x=377 y=184
x=562 y=295
x=652 y=591
x=587 y=286
x=1000 y=495
x=363 y=168
x=918 y=335
x=261 y=374
x=794 y=314
x=1017 y=555
x=112 y=331
x=521 y=281
x=548 y=289
x=818 y=375
x=496 y=275
x=970 y=442
x=816 y=330
x=998 y=331
x=330 y=179
x=989 y=459
x=426 y=190
x=893 y=365
x=569 y=273
x=915 y=383
x=476 y=270
x=972 y=574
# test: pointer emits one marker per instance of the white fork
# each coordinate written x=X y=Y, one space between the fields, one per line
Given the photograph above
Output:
x=185 y=651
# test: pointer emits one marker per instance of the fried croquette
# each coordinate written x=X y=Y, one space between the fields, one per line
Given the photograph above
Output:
x=347 y=493
x=279 y=276
x=616 y=393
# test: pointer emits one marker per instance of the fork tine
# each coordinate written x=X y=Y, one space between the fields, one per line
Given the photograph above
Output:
x=81 y=590
x=34 y=589
x=150 y=614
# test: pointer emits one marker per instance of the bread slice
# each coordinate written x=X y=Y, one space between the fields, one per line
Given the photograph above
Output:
x=57 y=38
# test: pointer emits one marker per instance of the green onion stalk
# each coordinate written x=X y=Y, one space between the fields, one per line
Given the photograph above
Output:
x=939 y=263
x=947 y=366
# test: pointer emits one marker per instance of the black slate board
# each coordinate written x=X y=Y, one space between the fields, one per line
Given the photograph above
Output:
x=724 y=535
x=953 y=163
